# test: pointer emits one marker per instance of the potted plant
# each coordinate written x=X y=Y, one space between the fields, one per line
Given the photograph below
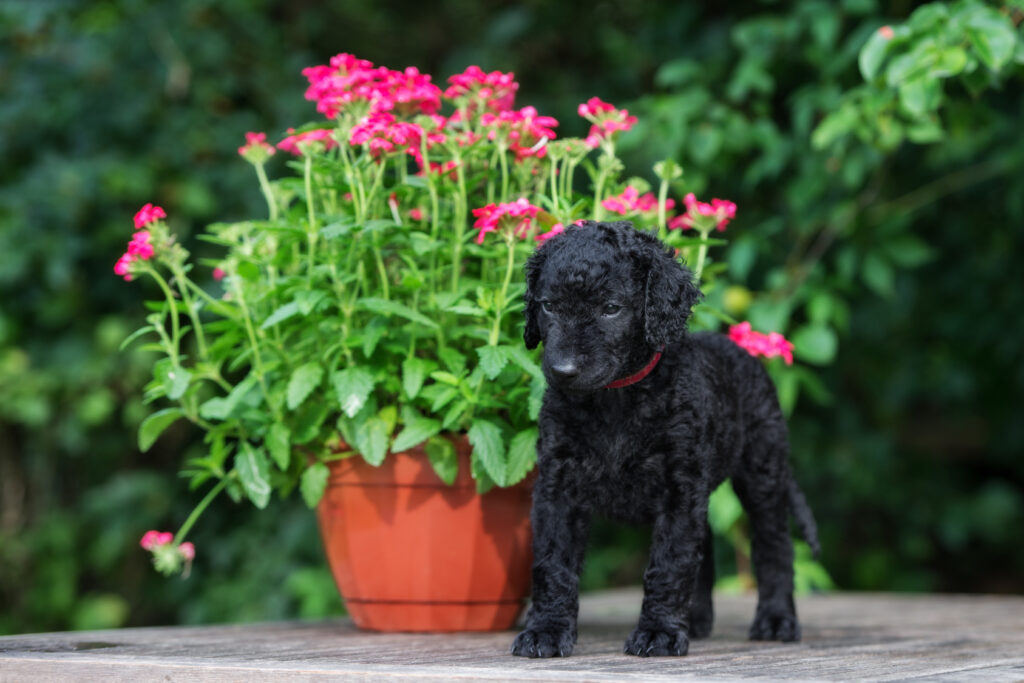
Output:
x=375 y=311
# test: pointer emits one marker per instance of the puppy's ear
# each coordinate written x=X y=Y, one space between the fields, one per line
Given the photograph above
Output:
x=670 y=294
x=531 y=334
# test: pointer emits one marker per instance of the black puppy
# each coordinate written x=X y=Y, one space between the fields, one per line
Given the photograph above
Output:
x=641 y=422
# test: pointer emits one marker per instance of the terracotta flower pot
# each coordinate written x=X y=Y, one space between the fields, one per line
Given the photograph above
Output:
x=410 y=553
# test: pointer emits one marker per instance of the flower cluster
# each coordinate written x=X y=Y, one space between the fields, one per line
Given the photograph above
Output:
x=496 y=90
x=517 y=214
x=606 y=120
x=382 y=133
x=256 y=149
x=348 y=79
x=759 y=344
x=295 y=143
x=719 y=211
x=631 y=201
x=167 y=556
x=527 y=132
x=140 y=248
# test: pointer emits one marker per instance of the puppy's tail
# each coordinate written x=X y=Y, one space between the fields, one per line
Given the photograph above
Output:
x=804 y=517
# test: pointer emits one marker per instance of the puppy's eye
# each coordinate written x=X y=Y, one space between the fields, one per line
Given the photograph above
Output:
x=546 y=305
x=611 y=309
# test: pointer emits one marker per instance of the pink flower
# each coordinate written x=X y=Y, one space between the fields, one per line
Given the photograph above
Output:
x=526 y=132
x=122 y=267
x=886 y=32
x=140 y=246
x=496 y=90
x=382 y=133
x=758 y=344
x=606 y=120
x=416 y=214
x=722 y=210
x=295 y=142
x=152 y=539
x=518 y=214
x=218 y=274
x=187 y=550
x=348 y=79
x=556 y=229
x=256 y=148
x=630 y=201
x=148 y=214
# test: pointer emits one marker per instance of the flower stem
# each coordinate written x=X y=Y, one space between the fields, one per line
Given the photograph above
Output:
x=268 y=193
x=311 y=232
x=199 y=509
x=701 y=254
x=175 y=330
x=662 y=210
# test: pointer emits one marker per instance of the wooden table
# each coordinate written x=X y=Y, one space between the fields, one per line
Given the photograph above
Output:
x=845 y=636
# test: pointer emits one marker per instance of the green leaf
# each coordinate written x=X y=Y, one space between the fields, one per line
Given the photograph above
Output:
x=493 y=360
x=442 y=399
x=388 y=308
x=920 y=95
x=254 y=473
x=724 y=509
x=304 y=380
x=537 y=389
x=308 y=420
x=521 y=357
x=416 y=432
x=314 y=483
x=372 y=440
x=175 y=380
x=280 y=315
x=154 y=425
x=951 y=62
x=872 y=55
x=441 y=453
x=452 y=359
x=353 y=386
x=522 y=455
x=878 y=275
x=445 y=377
x=414 y=371
x=278 y=442
x=372 y=334
x=815 y=343
x=221 y=408
x=992 y=36
x=489 y=448
x=908 y=251
x=135 y=335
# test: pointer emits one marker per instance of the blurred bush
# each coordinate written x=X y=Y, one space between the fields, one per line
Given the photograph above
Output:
x=886 y=245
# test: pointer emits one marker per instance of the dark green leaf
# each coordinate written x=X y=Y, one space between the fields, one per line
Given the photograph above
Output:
x=878 y=275
x=416 y=432
x=815 y=343
x=414 y=371
x=280 y=315
x=314 y=483
x=154 y=425
x=372 y=440
x=254 y=473
x=278 y=442
x=353 y=386
x=304 y=380
x=492 y=359
x=522 y=455
x=388 y=308
x=489 y=448
x=441 y=453
x=308 y=420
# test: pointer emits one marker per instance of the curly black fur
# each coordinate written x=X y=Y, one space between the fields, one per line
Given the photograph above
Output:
x=604 y=297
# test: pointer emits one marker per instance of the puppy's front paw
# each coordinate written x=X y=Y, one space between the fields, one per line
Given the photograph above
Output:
x=772 y=625
x=532 y=643
x=654 y=643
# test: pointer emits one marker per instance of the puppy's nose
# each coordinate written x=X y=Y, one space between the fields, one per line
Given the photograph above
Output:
x=566 y=370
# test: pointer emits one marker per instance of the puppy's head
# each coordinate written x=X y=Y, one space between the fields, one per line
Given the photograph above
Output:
x=603 y=297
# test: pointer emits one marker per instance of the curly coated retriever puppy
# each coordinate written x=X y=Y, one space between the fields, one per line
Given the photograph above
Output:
x=641 y=422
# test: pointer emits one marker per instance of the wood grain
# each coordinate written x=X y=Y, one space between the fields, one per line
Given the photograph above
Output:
x=846 y=637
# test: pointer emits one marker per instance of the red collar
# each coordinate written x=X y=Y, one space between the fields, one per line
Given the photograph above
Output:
x=633 y=379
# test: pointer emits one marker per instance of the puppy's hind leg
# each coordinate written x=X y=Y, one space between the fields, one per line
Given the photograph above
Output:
x=763 y=489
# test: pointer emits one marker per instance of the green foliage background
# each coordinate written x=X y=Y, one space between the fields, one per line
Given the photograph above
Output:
x=886 y=245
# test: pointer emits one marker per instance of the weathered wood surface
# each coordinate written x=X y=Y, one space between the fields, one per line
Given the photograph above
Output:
x=845 y=637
